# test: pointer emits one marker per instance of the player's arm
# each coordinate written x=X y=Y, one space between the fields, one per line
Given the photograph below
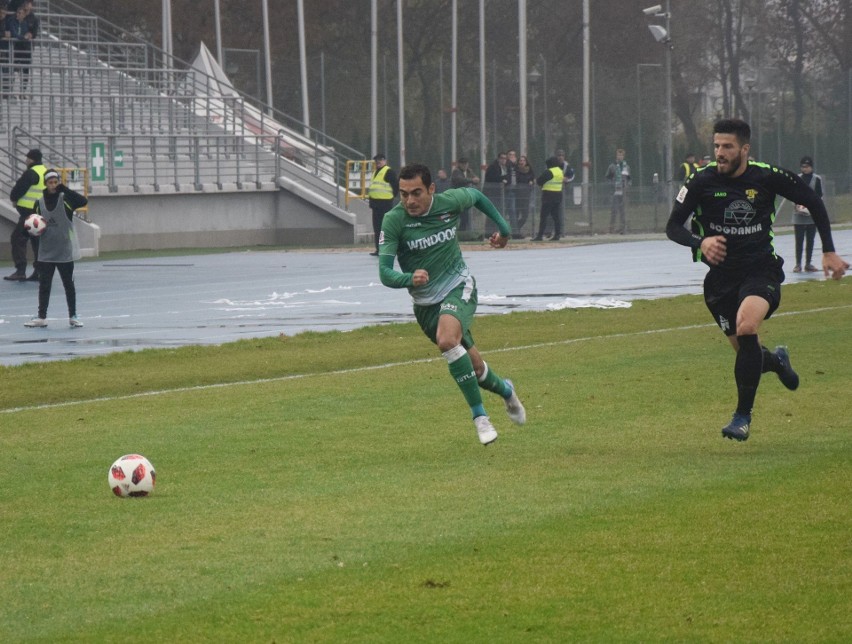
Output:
x=793 y=188
x=392 y=277
x=686 y=202
x=484 y=205
x=711 y=249
x=73 y=200
x=388 y=244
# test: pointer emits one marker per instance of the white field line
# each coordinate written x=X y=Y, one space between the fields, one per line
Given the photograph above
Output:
x=387 y=365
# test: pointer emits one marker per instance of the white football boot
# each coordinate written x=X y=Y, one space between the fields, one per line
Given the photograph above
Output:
x=514 y=406
x=486 y=431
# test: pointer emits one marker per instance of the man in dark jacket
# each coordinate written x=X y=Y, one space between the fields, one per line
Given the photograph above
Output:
x=25 y=193
x=551 y=181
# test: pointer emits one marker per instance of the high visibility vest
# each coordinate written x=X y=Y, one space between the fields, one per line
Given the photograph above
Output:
x=35 y=191
x=555 y=183
x=688 y=169
x=379 y=187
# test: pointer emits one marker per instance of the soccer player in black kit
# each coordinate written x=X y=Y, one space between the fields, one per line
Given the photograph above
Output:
x=733 y=201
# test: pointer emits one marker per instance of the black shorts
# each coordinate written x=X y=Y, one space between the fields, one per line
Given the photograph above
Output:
x=725 y=291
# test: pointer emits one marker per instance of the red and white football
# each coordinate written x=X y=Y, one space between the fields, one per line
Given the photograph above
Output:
x=132 y=475
x=35 y=224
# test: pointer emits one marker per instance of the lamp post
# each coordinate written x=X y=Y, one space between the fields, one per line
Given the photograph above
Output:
x=664 y=35
x=533 y=77
x=545 y=122
x=639 y=67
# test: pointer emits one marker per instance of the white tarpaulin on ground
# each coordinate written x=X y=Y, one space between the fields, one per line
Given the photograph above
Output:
x=577 y=303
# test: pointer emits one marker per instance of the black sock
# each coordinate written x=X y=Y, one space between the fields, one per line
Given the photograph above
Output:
x=770 y=361
x=747 y=370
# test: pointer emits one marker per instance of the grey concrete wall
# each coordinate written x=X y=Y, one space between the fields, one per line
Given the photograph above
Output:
x=207 y=219
x=194 y=220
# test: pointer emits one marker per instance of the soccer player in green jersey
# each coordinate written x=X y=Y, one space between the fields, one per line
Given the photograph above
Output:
x=420 y=231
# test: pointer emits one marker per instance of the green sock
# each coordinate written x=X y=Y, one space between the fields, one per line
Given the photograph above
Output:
x=490 y=381
x=461 y=369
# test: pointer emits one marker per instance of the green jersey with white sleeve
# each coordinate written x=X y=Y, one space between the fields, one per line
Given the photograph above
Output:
x=429 y=242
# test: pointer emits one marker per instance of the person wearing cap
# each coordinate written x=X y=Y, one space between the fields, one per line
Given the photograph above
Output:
x=59 y=247
x=381 y=192
x=803 y=225
x=25 y=193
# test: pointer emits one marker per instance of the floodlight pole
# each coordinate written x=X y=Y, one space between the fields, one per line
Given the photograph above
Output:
x=664 y=35
x=669 y=151
x=587 y=163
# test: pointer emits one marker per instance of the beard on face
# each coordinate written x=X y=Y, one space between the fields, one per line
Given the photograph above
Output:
x=733 y=165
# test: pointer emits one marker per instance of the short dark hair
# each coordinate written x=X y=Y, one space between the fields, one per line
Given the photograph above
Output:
x=737 y=127
x=414 y=170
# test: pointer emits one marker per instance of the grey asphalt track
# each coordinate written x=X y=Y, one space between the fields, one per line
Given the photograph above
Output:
x=133 y=304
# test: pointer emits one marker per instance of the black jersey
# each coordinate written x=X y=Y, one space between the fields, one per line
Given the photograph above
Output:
x=742 y=209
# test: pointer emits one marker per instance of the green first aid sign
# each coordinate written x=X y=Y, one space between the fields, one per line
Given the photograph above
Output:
x=98 y=162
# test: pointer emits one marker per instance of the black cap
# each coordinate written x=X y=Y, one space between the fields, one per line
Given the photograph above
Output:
x=380 y=157
x=35 y=155
x=807 y=161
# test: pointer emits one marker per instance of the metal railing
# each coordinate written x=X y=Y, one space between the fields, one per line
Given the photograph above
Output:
x=150 y=163
x=165 y=75
x=91 y=82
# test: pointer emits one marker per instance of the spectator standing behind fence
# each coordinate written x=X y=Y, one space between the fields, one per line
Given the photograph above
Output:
x=59 y=247
x=20 y=28
x=442 y=181
x=382 y=190
x=496 y=178
x=803 y=225
x=510 y=202
x=618 y=173
x=463 y=177
x=525 y=178
x=567 y=170
x=25 y=193
x=551 y=199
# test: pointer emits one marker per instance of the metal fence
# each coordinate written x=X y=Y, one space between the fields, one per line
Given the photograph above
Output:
x=90 y=82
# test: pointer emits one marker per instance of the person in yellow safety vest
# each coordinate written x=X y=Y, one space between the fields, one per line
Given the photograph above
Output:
x=551 y=199
x=687 y=167
x=383 y=188
x=25 y=193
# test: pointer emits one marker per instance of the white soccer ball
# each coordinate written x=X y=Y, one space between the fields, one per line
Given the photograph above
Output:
x=132 y=475
x=35 y=224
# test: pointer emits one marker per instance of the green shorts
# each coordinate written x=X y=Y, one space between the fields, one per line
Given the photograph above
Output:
x=460 y=303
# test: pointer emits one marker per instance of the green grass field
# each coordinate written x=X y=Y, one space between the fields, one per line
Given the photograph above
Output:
x=331 y=488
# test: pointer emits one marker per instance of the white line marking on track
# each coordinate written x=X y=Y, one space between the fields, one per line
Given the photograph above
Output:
x=387 y=365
